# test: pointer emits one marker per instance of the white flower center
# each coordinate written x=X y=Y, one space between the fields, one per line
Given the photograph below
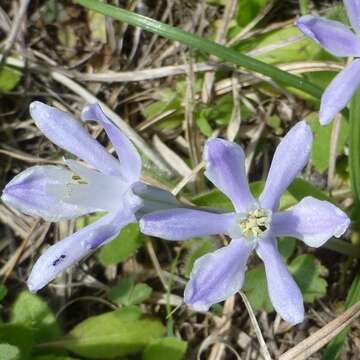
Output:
x=251 y=225
x=255 y=223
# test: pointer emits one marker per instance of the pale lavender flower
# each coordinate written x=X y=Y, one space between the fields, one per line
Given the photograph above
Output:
x=338 y=40
x=255 y=224
x=55 y=192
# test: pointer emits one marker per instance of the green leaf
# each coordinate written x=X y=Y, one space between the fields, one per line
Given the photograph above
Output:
x=53 y=357
x=122 y=247
x=286 y=246
x=127 y=293
x=202 y=44
x=322 y=139
x=165 y=349
x=354 y=153
x=32 y=311
x=3 y=292
x=308 y=272
x=248 y=10
x=216 y=199
x=9 y=352
x=300 y=188
x=9 y=78
x=111 y=335
x=19 y=336
x=333 y=350
x=255 y=288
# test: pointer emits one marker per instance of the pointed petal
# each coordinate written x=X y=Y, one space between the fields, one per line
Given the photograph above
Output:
x=289 y=159
x=353 y=11
x=333 y=36
x=65 y=253
x=154 y=199
x=284 y=293
x=63 y=130
x=225 y=168
x=30 y=192
x=312 y=221
x=130 y=159
x=182 y=224
x=93 y=189
x=217 y=276
x=339 y=92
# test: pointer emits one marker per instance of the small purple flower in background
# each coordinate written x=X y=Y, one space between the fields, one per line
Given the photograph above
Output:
x=253 y=225
x=55 y=192
x=338 y=40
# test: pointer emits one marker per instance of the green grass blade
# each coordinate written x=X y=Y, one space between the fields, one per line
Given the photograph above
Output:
x=281 y=77
x=354 y=151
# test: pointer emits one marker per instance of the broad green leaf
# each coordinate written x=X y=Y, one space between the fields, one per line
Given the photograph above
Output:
x=9 y=352
x=303 y=49
x=122 y=247
x=286 y=246
x=9 y=77
x=3 y=292
x=333 y=350
x=165 y=349
x=300 y=188
x=308 y=272
x=127 y=293
x=216 y=199
x=202 y=44
x=248 y=10
x=19 y=336
x=255 y=288
x=32 y=311
x=111 y=335
x=322 y=138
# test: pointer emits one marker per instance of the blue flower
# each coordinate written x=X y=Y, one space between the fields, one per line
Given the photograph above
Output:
x=338 y=40
x=57 y=192
x=254 y=225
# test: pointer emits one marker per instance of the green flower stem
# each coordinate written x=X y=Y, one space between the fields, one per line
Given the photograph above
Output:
x=281 y=77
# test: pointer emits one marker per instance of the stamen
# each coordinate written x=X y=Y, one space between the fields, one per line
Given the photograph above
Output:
x=253 y=224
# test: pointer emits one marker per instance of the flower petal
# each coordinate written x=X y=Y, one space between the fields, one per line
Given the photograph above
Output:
x=289 y=159
x=225 y=168
x=63 y=130
x=339 y=92
x=30 y=192
x=130 y=159
x=217 y=276
x=284 y=293
x=182 y=224
x=65 y=253
x=154 y=199
x=312 y=221
x=93 y=188
x=333 y=36
x=353 y=11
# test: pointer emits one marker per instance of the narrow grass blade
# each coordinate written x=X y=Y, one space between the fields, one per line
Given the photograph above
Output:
x=281 y=77
x=354 y=151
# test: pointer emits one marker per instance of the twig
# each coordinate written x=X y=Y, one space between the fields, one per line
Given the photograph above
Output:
x=264 y=350
x=321 y=337
x=11 y=38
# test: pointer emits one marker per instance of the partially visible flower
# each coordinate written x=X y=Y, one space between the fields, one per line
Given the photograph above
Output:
x=338 y=40
x=55 y=192
x=254 y=224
